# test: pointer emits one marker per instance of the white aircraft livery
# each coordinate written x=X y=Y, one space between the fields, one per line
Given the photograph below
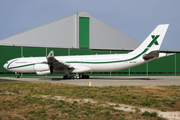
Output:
x=147 y=51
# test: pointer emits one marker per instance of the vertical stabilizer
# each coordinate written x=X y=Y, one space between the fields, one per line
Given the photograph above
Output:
x=153 y=41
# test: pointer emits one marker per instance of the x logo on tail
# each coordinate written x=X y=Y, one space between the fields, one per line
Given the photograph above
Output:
x=154 y=41
x=155 y=37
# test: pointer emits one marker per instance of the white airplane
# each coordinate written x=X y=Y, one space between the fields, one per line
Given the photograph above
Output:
x=147 y=51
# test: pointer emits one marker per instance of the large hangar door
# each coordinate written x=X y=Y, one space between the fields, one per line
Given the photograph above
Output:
x=83 y=32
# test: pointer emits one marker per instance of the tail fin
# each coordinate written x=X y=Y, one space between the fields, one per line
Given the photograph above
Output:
x=153 y=41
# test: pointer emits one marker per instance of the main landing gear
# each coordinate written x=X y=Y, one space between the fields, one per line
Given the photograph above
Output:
x=68 y=77
x=78 y=76
x=81 y=76
x=17 y=74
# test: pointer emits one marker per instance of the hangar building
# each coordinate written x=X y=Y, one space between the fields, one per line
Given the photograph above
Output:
x=82 y=34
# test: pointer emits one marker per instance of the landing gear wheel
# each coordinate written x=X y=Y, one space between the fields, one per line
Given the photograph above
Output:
x=65 y=77
x=68 y=77
x=85 y=76
x=81 y=76
x=71 y=77
x=17 y=76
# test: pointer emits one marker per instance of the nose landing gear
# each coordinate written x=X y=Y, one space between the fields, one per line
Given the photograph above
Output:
x=17 y=74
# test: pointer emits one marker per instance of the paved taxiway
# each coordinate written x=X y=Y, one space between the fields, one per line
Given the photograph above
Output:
x=104 y=81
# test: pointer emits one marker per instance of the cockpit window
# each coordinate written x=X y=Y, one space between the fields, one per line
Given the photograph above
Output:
x=6 y=62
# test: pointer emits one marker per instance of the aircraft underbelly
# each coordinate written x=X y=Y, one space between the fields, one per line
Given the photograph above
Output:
x=113 y=66
x=107 y=66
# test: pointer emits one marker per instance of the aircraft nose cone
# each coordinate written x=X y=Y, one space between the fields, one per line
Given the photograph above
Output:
x=5 y=66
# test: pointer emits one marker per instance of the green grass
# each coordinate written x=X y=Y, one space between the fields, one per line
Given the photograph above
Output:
x=26 y=106
x=150 y=96
x=56 y=109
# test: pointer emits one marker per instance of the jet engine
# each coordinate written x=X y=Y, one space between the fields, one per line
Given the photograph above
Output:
x=42 y=69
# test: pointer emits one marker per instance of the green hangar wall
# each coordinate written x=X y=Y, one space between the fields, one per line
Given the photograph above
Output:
x=166 y=66
x=81 y=37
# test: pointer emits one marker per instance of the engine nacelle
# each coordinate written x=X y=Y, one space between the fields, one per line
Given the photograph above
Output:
x=43 y=72
x=42 y=69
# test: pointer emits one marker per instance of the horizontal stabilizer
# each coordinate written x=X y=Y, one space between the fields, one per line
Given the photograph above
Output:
x=168 y=54
x=151 y=55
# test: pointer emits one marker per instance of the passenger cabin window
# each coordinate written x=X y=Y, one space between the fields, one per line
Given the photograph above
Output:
x=20 y=62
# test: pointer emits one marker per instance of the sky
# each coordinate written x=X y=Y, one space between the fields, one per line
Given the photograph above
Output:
x=136 y=18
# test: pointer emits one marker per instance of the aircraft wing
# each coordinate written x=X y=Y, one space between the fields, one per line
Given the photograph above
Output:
x=56 y=64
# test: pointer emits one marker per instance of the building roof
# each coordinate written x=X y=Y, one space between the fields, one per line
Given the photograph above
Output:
x=64 y=33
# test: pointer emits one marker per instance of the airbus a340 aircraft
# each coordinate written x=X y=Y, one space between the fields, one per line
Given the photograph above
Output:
x=147 y=51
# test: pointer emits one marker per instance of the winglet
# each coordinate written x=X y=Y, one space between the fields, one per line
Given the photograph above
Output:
x=51 y=54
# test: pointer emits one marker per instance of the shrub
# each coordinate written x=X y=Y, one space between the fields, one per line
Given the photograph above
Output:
x=137 y=110
x=165 y=99
x=158 y=104
x=59 y=106
x=41 y=102
x=173 y=102
x=131 y=112
x=146 y=113
x=153 y=101
x=26 y=116
x=32 y=112
x=53 y=117
x=153 y=114
x=122 y=119
x=134 y=97
x=43 y=110
x=31 y=118
x=107 y=113
x=163 y=109
x=75 y=102
x=104 y=91
x=146 y=103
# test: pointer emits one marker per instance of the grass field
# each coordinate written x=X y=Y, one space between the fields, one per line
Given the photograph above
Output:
x=22 y=100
